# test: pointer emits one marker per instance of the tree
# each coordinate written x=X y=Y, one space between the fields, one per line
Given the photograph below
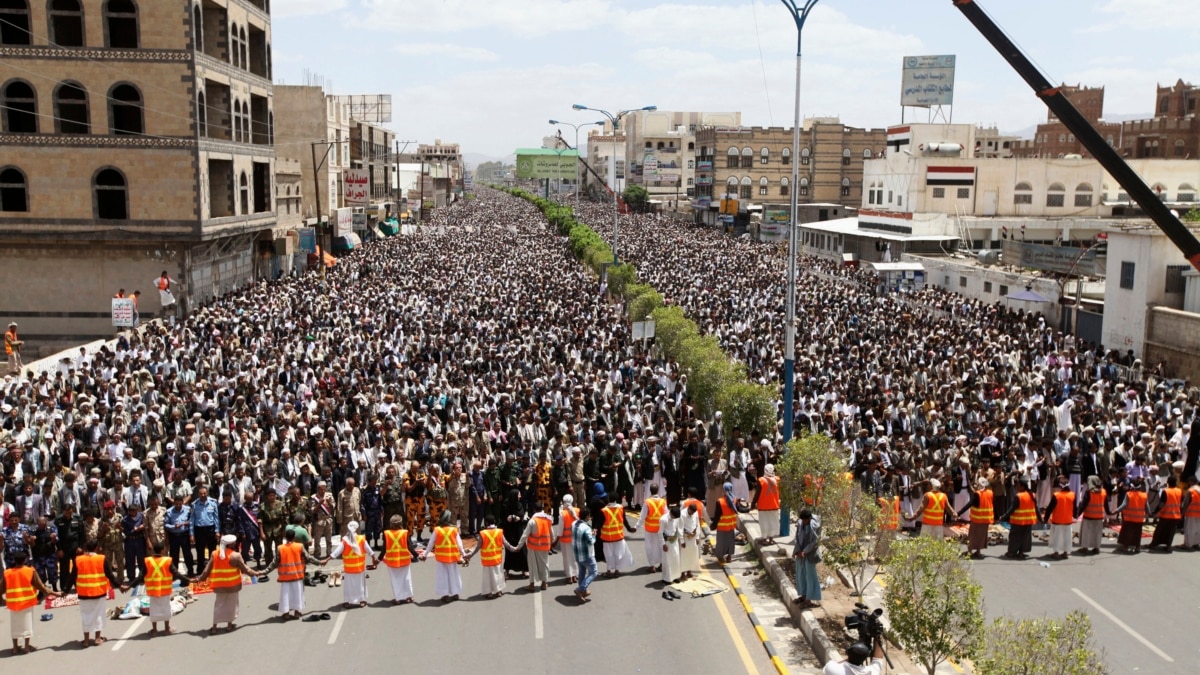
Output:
x=1043 y=646
x=748 y=406
x=934 y=605
x=809 y=466
x=636 y=197
x=1192 y=216
x=849 y=528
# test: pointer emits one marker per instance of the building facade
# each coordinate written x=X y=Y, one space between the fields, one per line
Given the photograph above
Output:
x=441 y=179
x=306 y=116
x=137 y=138
x=371 y=149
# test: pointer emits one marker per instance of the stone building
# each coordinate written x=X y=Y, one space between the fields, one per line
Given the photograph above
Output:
x=371 y=149
x=315 y=126
x=137 y=137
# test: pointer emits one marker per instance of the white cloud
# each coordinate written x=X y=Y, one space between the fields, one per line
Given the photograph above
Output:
x=425 y=18
x=282 y=9
x=445 y=51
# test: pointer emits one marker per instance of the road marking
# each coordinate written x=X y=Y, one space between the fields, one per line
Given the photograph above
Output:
x=957 y=668
x=129 y=633
x=1123 y=626
x=738 y=644
x=337 y=627
x=538 y=632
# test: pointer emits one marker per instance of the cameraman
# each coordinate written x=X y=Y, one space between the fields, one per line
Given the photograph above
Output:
x=856 y=661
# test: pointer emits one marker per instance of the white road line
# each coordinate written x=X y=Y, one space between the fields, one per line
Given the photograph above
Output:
x=129 y=633
x=1123 y=626
x=538 y=632
x=337 y=627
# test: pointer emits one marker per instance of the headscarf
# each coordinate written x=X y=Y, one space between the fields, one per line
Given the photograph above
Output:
x=352 y=540
x=568 y=500
x=769 y=469
x=225 y=542
x=598 y=491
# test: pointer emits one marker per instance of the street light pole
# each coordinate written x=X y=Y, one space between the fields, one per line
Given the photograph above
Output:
x=578 y=159
x=800 y=10
x=612 y=162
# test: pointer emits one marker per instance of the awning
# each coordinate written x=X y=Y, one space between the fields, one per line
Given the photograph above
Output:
x=390 y=229
x=347 y=242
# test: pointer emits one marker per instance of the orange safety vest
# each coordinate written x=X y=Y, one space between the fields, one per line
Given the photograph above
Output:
x=1193 y=509
x=491 y=547
x=1026 y=511
x=1172 y=497
x=768 y=494
x=688 y=502
x=18 y=584
x=1064 y=508
x=1095 y=505
x=396 y=553
x=291 y=562
x=223 y=574
x=354 y=563
x=1135 y=507
x=567 y=517
x=445 y=547
x=813 y=489
x=934 y=514
x=889 y=511
x=164 y=283
x=10 y=336
x=90 y=581
x=158 y=576
x=614 y=524
x=541 y=537
x=983 y=513
x=655 y=508
x=728 y=520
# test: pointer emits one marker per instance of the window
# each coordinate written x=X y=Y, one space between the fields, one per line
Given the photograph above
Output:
x=747 y=190
x=14 y=195
x=20 y=108
x=939 y=192
x=1160 y=190
x=1003 y=289
x=244 y=193
x=785 y=156
x=731 y=158
x=1127 y=272
x=197 y=28
x=111 y=195
x=962 y=282
x=845 y=187
x=125 y=111
x=964 y=193
x=1062 y=138
x=237 y=121
x=1070 y=138
x=783 y=186
x=120 y=24
x=1083 y=195
x=66 y=23
x=1164 y=105
x=803 y=187
x=747 y=158
x=1180 y=149
x=14 y=23
x=202 y=115
x=1175 y=282
x=987 y=287
x=763 y=185
x=1186 y=193
x=804 y=156
x=271 y=130
x=867 y=153
x=764 y=156
x=70 y=109
x=235 y=52
x=846 y=157
x=1055 y=195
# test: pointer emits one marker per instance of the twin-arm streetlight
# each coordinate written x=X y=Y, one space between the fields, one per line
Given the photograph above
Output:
x=578 y=159
x=799 y=10
x=612 y=165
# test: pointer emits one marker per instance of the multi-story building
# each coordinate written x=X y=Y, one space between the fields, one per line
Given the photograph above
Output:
x=306 y=116
x=137 y=138
x=442 y=175
x=601 y=148
x=289 y=200
x=371 y=149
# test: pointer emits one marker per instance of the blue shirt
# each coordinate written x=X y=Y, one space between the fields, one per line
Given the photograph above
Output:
x=583 y=541
x=178 y=521
x=204 y=513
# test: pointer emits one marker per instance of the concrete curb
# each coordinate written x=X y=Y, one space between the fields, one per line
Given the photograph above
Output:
x=772 y=653
x=820 y=643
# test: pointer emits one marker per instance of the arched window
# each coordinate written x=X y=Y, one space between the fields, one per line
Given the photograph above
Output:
x=845 y=187
x=785 y=155
x=1062 y=138
x=648 y=145
x=267 y=56
x=14 y=23
x=14 y=191
x=235 y=52
x=691 y=145
x=1186 y=193
x=747 y=158
x=1160 y=190
x=803 y=187
x=1180 y=148
x=198 y=27
x=244 y=193
x=1083 y=195
x=867 y=154
x=20 y=108
x=202 y=114
x=784 y=183
x=66 y=23
x=731 y=158
x=111 y=195
x=660 y=145
x=805 y=157
x=846 y=157
x=71 y=109
x=243 y=44
x=121 y=24
x=763 y=185
x=746 y=187
x=1056 y=195
x=764 y=155
x=246 y=123
x=731 y=186
x=125 y=111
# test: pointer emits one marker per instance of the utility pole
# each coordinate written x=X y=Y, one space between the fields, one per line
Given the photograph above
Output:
x=317 y=185
x=421 y=206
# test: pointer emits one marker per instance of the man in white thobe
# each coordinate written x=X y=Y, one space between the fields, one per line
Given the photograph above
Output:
x=689 y=541
x=669 y=529
x=354 y=585
x=567 y=515
x=447 y=582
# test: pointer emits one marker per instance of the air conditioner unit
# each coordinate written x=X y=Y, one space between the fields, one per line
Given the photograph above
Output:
x=987 y=258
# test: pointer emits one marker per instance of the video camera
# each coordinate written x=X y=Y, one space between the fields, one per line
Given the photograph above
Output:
x=866 y=621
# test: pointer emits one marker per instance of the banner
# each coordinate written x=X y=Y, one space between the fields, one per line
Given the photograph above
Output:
x=344 y=223
x=1058 y=259
x=122 y=312
x=927 y=81
x=357 y=190
x=540 y=163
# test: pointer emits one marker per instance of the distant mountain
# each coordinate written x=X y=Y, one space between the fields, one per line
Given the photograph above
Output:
x=475 y=158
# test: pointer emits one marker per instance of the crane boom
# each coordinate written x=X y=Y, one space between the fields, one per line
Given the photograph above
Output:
x=1071 y=118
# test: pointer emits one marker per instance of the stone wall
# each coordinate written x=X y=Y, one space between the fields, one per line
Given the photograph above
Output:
x=1173 y=337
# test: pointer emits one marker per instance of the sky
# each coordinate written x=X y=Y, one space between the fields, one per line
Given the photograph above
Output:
x=489 y=74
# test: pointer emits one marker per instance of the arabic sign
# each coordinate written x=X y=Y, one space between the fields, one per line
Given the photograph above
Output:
x=554 y=165
x=357 y=186
x=344 y=223
x=927 y=81
x=1059 y=259
x=122 y=312
x=650 y=165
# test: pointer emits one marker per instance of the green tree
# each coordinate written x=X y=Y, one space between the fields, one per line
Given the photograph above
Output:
x=849 y=529
x=1043 y=646
x=810 y=465
x=636 y=197
x=1192 y=216
x=934 y=605
x=748 y=406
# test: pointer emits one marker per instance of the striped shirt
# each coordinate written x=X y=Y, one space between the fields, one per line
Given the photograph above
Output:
x=583 y=541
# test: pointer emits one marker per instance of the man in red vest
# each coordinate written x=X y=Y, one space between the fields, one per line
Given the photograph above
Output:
x=290 y=559
x=1060 y=513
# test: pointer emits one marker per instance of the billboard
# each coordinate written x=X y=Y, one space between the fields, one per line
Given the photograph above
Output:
x=122 y=312
x=1057 y=259
x=371 y=108
x=538 y=163
x=357 y=187
x=343 y=223
x=927 y=81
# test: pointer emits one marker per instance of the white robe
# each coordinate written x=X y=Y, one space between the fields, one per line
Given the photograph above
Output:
x=291 y=596
x=493 y=580
x=354 y=586
x=91 y=611
x=617 y=557
x=653 y=540
x=401 y=578
x=670 y=558
x=689 y=550
x=447 y=580
x=570 y=566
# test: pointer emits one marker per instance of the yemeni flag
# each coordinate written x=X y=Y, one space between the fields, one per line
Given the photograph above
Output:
x=898 y=137
x=962 y=176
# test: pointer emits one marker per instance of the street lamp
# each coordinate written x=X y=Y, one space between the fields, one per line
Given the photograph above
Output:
x=799 y=10
x=612 y=165
x=578 y=159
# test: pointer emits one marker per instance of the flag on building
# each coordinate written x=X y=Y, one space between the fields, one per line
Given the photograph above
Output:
x=963 y=176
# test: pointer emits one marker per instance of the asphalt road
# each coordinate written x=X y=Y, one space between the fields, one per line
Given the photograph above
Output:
x=626 y=628
x=1142 y=607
